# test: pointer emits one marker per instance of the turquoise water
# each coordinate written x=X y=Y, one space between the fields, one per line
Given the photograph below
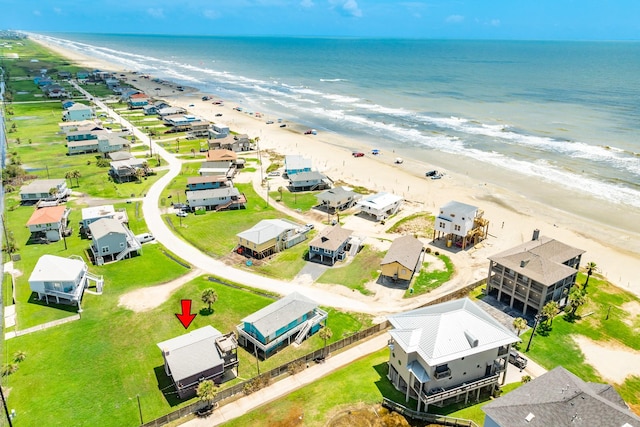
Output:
x=564 y=113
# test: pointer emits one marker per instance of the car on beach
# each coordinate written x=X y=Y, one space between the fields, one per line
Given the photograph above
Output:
x=269 y=122
x=192 y=105
x=431 y=173
x=283 y=125
x=219 y=115
x=357 y=154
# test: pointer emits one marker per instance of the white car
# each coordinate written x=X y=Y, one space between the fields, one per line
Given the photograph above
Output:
x=182 y=214
x=145 y=237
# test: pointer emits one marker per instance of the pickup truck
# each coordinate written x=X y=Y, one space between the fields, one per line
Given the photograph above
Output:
x=516 y=359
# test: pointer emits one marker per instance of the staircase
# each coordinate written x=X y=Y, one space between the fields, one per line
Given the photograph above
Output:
x=303 y=333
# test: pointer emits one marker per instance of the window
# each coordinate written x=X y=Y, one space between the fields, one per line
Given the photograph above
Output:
x=456 y=227
x=104 y=249
x=441 y=225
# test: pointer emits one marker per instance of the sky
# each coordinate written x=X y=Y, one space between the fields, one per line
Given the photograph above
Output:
x=434 y=19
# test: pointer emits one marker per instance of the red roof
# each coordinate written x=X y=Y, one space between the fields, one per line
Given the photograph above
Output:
x=138 y=95
x=48 y=215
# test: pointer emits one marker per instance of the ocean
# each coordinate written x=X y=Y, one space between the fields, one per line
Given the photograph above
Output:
x=565 y=114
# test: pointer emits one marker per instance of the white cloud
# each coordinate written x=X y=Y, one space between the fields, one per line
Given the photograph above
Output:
x=495 y=22
x=347 y=7
x=57 y=10
x=156 y=13
x=211 y=14
x=454 y=19
x=306 y=3
x=37 y=12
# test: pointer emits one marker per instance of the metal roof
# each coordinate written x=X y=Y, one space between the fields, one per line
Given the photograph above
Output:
x=281 y=313
x=267 y=229
x=47 y=215
x=51 y=268
x=448 y=331
x=458 y=209
x=380 y=200
x=192 y=353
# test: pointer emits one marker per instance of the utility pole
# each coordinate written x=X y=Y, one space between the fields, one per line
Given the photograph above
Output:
x=140 y=409
x=533 y=332
x=6 y=410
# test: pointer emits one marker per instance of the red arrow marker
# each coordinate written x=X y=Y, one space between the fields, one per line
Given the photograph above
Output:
x=185 y=317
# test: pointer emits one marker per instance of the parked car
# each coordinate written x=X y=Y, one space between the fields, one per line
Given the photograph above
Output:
x=145 y=237
x=219 y=115
x=269 y=122
x=431 y=173
x=274 y=173
x=357 y=154
x=284 y=125
x=182 y=214
x=309 y=226
x=516 y=359
x=192 y=105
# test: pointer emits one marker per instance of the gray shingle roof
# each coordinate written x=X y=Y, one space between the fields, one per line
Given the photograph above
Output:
x=306 y=176
x=104 y=226
x=336 y=194
x=192 y=353
x=331 y=237
x=41 y=186
x=559 y=398
x=280 y=313
x=405 y=250
x=540 y=260
x=447 y=331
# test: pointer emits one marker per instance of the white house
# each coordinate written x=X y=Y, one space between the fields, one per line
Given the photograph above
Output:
x=95 y=213
x=49 y=222
x=43 y=189
x=77 y=112
x=218 y=130
x=62 y=278
x=461 y=224
x=294 y=164
x=381 y=205
x=216 y=199
x=446 y=351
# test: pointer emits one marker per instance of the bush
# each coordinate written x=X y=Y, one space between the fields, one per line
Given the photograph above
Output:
x=428 y=250
x=295 y=367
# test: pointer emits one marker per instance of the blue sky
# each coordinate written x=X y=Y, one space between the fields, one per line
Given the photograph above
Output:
x=466 y=19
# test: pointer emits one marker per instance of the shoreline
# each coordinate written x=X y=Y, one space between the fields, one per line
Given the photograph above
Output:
x=513 y=217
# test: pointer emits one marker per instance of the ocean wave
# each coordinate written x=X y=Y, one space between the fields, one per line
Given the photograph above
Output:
x=333 y=80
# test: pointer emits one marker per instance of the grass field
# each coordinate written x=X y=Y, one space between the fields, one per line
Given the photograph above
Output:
x=430 y=280
x=361 y=269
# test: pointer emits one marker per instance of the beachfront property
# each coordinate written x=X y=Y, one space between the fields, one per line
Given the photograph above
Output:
x=234 y=143
x=67 y=127
x=308 y=181
x=330 y=245
x=559 y=398
x=218 y=131
x=138 y=101
x=94 y=213
x=126 y=170
x=77 y=112
x=402 y=259
x=49 y=223
x=186 y=123
x=337 y=199
x=447 y=352
x=49 y=190
x=270 y=236
x=294 y=164
x=111 y=241
x=460 y=224
x=151 y=109
x=169 y=111
x=380 y=206
x=534 y=273
x=221 y=158
x=202 y=354
x=216 y=199
x=207 y=182
x=290 y=319
x=61 y=278
x=103 y=143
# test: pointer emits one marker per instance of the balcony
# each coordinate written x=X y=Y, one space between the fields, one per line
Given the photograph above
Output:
x=442 y=374
x=441 y=394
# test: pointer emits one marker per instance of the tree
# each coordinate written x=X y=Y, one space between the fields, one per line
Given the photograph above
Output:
x=140 y=173
x=209 y=296
x=76 y=174
x=325 y=333
x=519 y=324
x=549 y=310
x=577 y=298
x=280 y=190
x=69 y=176
x=19 y=356
x=8 y=369
x=53 y=191
x=207 y=391
x=591 y=268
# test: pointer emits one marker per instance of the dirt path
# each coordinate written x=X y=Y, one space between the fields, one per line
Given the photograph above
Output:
x=145 y=299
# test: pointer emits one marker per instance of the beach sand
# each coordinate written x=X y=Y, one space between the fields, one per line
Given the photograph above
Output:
x=513 y=217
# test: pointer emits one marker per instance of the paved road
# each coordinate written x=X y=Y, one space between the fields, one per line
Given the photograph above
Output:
x=163 y=234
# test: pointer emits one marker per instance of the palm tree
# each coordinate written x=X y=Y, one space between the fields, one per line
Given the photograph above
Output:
x=577 y=298
x=76 y=174
x=591 y=268
x=69 y=176
x=519 y=324
x=140 y=173
x=209 y=296
x=19 y=356
x=207 y=391
x=549 y=310
x=325 y=333
x=280 y=190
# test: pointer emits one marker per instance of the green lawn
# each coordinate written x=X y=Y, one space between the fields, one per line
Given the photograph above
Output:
x=303 y=201
x=430 y=280
x=284 y=265
x=7 y=290
x=364 y=267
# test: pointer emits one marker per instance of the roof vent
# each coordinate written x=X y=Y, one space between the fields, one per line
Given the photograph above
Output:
x=536 y=234
x=524 y=263
x=529 y=417
x=473 y=341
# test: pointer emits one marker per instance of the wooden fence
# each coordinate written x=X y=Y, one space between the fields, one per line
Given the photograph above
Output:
x=425 y=416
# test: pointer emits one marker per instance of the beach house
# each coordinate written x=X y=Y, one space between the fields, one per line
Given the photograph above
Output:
x=270 y=236
x=202 y=354
x=337 y=199
x=216 y=199
x=402 y=259
x=218 y=131
x=77 y=112
x=54 y=190
x=207 y=182
x=138 y=101
x=447 y=352
x=380 y=206
x=460 y=224
x=330 y=245
x=94 y=213
x=528 y=276
x=558 y=398
x=290 y=319
x=126 y=170
x=59 y=279
x=308 y=181
x=111 y=240
x=48 y=223
x=294 y=164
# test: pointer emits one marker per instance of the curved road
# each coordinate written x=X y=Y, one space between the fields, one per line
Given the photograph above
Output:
x=162 y=233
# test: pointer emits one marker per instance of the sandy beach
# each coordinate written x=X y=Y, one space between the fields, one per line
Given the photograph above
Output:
x=513 y=216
